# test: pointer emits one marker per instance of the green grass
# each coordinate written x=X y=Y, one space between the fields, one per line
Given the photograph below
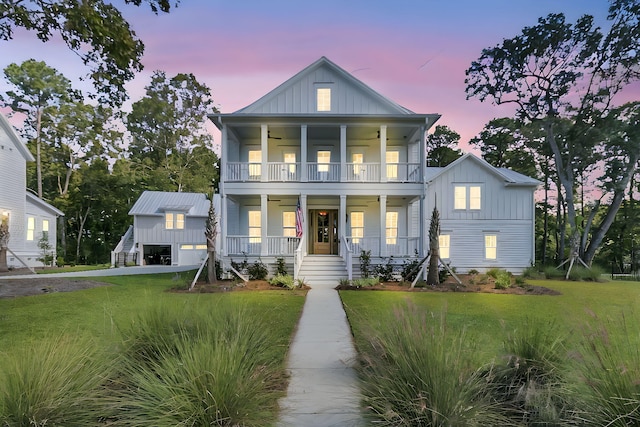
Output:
x=69 y=269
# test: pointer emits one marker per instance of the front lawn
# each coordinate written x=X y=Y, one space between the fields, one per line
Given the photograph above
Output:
x=134 y=354
x=487 y=359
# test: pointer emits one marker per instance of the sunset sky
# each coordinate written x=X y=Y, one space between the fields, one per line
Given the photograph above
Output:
x=413 y=52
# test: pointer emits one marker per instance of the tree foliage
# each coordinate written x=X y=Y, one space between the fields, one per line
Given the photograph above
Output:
x=557 y=73
x=94 y=29
x=441 y=146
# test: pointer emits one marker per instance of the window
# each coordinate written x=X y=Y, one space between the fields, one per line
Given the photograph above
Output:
x=357 y=226
x=186 y=247
x=173 y=221
x=324 y=158
x=45 y=229
x=393 y=158
x=467 y=195
x=255 y=227
x=392 y=228
x=357 y=160
x=490 y=246
x=31 y=228
x=255 y=164
x=323 y=98
x=201 y=247
x=289 y=224
x=444 y=241
x=290 y=158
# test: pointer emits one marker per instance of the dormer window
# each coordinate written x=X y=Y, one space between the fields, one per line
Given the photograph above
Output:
x=323 y=99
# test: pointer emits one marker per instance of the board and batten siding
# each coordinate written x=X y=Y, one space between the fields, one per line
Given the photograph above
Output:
x=150 y=230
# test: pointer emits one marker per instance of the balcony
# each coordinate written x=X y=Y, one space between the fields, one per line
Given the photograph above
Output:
x=323 y=172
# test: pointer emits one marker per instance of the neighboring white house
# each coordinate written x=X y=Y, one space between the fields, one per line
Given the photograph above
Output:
x=30 y=218
x=168 y=228
x=353 y=162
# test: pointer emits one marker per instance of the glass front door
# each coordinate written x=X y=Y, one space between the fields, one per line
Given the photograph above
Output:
x=324 y=231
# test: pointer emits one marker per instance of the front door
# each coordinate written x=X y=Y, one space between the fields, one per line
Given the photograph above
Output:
x=324 y=231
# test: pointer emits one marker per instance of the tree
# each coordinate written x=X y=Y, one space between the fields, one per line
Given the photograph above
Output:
x=94 y=29
x=543 y=70
x=168 y=135
x=211 y=234
x=433 y=274
x=38 y=88
x=441 y=145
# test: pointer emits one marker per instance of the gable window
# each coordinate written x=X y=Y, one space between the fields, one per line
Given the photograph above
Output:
x=323 y=99
x=393 y=158
x=255 y=164
x=324 y=158
x=255 y=227
x=490 y=246
x=357 y=226
x=45 y=229
x=444 y=242
x=467 y=197
x=31 y=228
x=173 y=221
x=392 y=228
x=289 y=224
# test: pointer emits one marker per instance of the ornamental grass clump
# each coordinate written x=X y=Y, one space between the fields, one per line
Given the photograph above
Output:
x=416 y=370
x=610 y=371
x=55 y=382
x=528 y=381
x=216 y=366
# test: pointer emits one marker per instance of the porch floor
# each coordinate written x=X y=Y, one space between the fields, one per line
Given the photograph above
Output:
x=323 y=389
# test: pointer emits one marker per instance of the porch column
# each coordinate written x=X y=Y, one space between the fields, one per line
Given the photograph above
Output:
x=223 y=225
x=263 y=225
x=342 y=222
x=383 y=226
x=264 y=152
x=304 y=176
x=305 y=223
x=343 y=153
x=422 y=150
x=383 y=153
x=223 y=157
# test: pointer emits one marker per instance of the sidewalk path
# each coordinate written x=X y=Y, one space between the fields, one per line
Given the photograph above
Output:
x=123 y=271
x=323 y=389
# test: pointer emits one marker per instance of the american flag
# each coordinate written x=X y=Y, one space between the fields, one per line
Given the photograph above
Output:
x=298 y=220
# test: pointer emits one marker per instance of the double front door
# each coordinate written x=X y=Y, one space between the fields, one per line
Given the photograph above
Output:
x=324 y=231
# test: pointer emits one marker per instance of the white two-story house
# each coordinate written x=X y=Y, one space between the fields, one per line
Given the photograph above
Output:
x=32 y=221
x=324 y=167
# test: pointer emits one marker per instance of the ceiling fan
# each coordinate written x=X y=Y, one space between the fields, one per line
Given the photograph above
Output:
x=272 y=137
x=377 y=137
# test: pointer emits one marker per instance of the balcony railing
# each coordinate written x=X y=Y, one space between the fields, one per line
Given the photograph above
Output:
x=397 y=246
x=323 y=172
x=275 y=246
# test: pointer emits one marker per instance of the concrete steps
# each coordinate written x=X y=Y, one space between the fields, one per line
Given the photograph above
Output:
x=322 y=270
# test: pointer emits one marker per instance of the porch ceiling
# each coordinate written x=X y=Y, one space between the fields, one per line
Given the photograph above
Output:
x=354 y=133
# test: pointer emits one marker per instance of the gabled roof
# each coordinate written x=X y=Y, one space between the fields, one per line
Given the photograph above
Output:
x=15 y=138
x=35 y=200
x=508 y=176
x=362 y=99
x=156 y=203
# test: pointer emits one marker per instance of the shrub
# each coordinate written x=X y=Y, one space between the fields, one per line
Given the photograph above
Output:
x=551 y=272
x=410 y=269
x=56 y=381
x=493 y=272
x=473 y=272
x=365 y=263
x=364 y=282
x=580 y=273
x=503 y=279
x=417 y=371
x=284 y=281
x=281 y=266
x=532 y=272
x=257 y=270
x=443 y=273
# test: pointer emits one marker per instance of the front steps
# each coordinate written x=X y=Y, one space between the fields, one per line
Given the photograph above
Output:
x=322 y=270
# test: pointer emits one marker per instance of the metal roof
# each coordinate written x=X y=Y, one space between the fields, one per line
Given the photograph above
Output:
x=156 y=203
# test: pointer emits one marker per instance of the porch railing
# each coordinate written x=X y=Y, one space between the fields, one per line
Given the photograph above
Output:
x=274 y=246
x=347 y=255
x=397 y=246
x=323 y=172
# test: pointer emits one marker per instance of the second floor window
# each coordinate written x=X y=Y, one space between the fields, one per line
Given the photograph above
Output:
x=357 y=159
x=173 y=221
x=324 y=158
x=393 y=158
x=323 y=99
x=467 y=197
x=290 y=159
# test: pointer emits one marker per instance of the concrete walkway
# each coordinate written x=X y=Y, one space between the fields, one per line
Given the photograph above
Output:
x=323 y=389
x=123 y=271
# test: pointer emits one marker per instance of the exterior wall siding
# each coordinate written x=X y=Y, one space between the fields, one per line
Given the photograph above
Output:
x=150 y=230
x=14 y=183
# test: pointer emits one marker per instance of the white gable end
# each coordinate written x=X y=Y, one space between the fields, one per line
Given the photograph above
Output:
x=348 y=95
